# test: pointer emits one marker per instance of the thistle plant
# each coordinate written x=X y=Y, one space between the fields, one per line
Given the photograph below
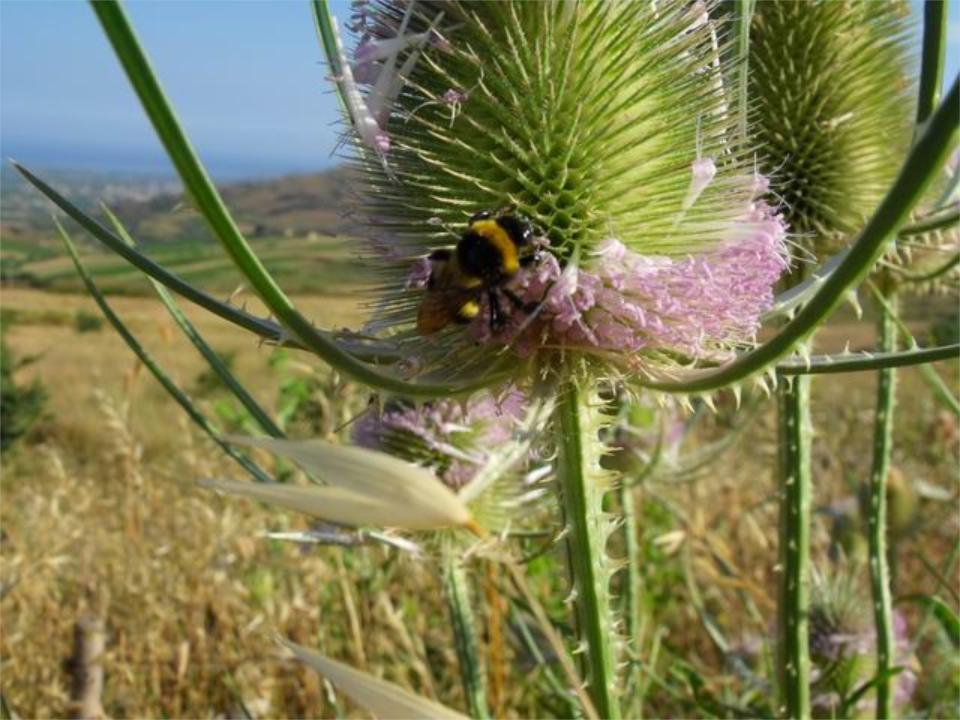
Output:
x=658 y=231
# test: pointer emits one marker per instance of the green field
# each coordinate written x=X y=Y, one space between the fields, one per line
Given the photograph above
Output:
x=301 y=265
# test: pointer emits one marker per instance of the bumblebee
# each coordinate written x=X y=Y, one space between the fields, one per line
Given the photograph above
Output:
x=493 y=248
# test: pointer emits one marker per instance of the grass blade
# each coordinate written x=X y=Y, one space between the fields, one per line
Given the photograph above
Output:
x=158 y=372
x=942 y=612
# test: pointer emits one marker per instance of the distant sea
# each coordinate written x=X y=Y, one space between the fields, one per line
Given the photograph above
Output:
x=154 y=164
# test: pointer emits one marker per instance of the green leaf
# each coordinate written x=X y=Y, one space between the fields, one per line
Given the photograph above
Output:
x=940 y=389
x=324 y=23
x=208 y=201
x=944 y=614
x=932 y=59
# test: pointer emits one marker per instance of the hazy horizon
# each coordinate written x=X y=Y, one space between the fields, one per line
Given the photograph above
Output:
x=247 y=79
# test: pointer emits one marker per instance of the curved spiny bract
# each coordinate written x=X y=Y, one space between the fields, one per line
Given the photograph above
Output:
x=831 y=107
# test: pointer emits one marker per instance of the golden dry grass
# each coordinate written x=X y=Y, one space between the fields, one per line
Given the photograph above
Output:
x=100 y=514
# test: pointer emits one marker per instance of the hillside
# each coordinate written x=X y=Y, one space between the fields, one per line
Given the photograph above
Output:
x=295 y=222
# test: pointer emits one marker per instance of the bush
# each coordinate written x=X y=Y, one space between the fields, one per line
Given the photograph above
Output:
x=20 y=406
x=84 y=321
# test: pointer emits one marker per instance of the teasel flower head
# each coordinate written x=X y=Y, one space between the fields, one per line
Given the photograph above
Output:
x=831 y=105
x=609 y=127
x=842 y=641
x=476 y=448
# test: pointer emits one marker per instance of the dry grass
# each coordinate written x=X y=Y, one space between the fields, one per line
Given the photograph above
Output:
x=191 y=595
x=101 y=515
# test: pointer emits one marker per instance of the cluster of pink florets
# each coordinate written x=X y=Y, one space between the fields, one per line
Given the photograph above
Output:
x=621 y=301
x=456 y=438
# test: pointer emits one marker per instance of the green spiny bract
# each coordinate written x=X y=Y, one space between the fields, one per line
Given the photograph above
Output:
x=585 y=116
x=829 y=92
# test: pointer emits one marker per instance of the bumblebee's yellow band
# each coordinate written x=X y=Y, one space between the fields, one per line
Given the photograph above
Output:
x=491 y=230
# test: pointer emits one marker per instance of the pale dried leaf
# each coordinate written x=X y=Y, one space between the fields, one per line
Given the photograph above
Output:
x=383 y=699
x=339 y=505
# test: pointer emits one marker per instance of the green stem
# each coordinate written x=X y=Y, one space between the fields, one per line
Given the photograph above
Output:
x=877 y=514
x=847 y=362
x=582 y=486
x=932 y=61
x=456 y=587
x=632 y=588
x=795 y=492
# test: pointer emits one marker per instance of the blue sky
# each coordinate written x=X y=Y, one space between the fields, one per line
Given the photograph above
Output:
x=245 y=77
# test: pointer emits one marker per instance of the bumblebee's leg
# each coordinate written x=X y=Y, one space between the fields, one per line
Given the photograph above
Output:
x=518 y=302
x=497 y=318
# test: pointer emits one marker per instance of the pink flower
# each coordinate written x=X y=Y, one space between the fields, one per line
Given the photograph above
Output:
x=621 y=301
x=455 y=439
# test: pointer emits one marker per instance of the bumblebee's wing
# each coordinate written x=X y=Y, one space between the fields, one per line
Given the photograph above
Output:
x=442 y=307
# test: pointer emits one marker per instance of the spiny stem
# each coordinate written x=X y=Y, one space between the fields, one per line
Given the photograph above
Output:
x=631 y=597
x=795 y=492
x=582 y=495
x=456 y=587
x=877 y=514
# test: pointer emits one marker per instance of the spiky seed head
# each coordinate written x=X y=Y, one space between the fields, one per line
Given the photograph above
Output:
x=831 y=107
x=610 y=127
x=842 y=640
x=457 y=441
